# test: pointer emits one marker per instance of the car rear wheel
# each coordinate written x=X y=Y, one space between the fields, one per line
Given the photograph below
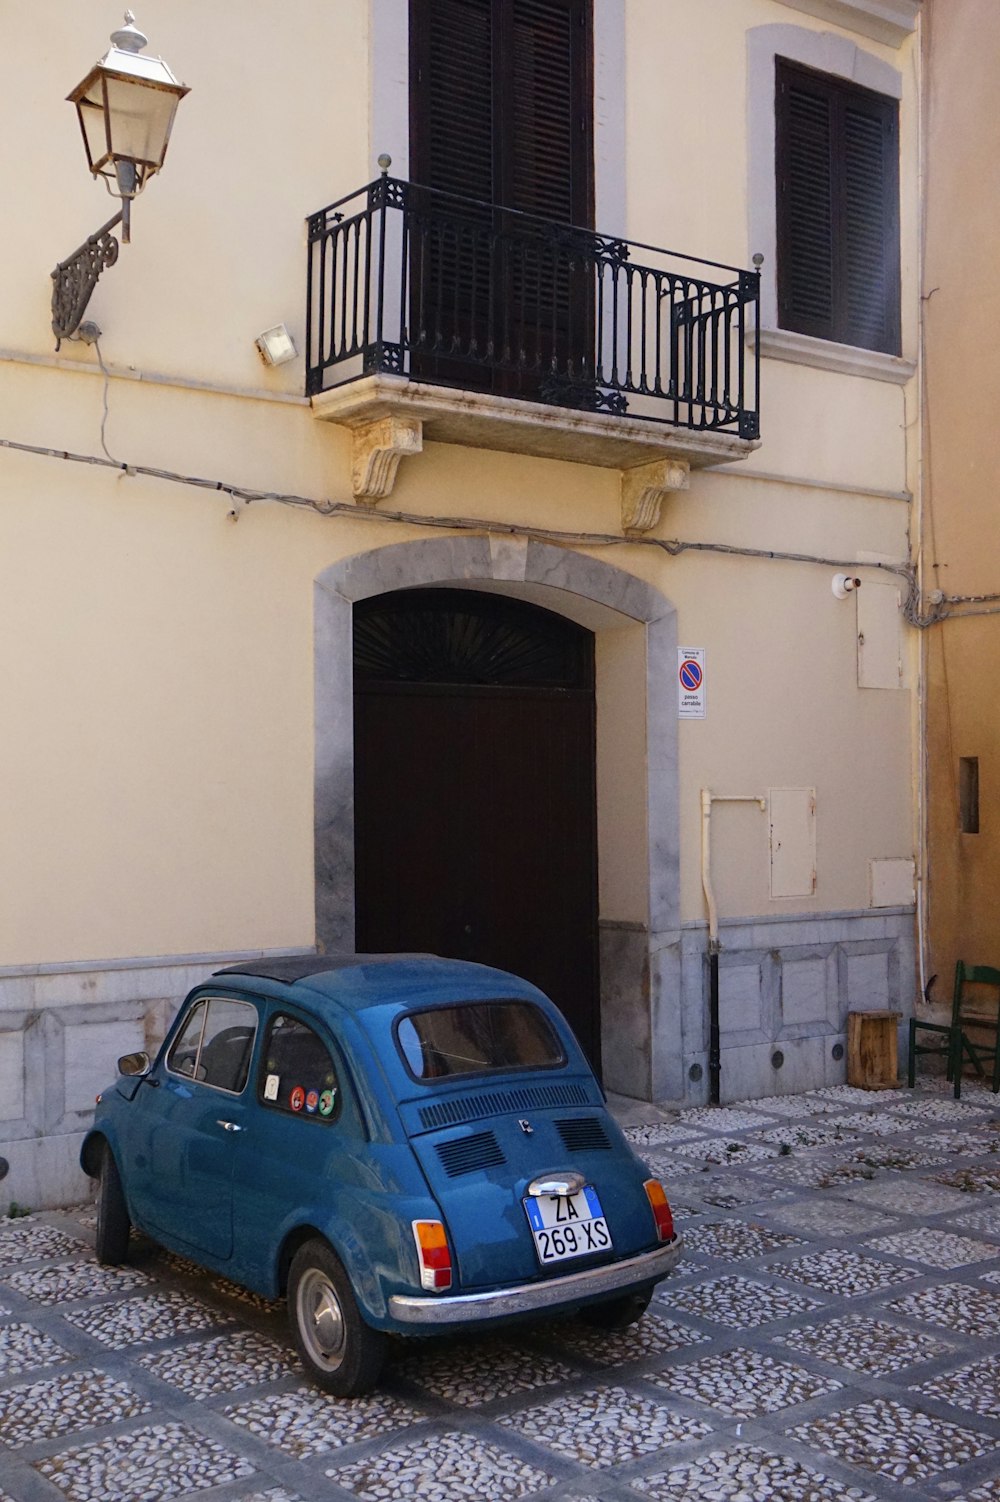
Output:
x=339 y=1351
x=113 y=1224
x=617 y=1314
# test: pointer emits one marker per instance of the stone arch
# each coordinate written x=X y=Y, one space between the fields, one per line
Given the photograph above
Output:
x=634 y=971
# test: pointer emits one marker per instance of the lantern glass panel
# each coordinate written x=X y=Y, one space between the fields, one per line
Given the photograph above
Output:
x=141 y=117
x=92 y=118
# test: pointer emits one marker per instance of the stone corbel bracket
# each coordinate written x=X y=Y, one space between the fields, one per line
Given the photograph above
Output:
x=644 y=489
x=377 y=449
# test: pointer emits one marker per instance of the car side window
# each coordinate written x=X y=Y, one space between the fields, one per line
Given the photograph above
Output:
x=297 y=1073
x=215 y=1043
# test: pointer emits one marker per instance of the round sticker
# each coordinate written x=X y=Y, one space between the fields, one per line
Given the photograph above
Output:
x=326 y=1103
x=297 y=1099
x=312 y=1101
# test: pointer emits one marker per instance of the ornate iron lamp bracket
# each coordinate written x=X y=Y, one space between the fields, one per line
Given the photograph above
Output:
x=74 y=279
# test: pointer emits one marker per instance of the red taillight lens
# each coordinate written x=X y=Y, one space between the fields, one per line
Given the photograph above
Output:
x=433 y=1255
x=657 y=1196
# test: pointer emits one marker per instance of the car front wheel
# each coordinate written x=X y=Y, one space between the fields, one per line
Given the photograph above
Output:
x=340 y=1352
x=113 y=1224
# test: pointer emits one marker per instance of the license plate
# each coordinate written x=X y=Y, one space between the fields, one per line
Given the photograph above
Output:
x=567 y=1225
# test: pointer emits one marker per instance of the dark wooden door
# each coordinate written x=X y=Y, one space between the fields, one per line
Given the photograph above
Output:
x=475 y=822
x=501 y=114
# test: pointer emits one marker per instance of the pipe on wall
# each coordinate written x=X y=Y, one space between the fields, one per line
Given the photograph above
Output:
x=714 y=1030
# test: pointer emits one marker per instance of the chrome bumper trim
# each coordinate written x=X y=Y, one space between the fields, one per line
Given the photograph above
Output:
x=524 y=1298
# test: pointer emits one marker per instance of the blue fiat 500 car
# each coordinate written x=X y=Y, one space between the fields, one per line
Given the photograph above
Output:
x=402 y=1144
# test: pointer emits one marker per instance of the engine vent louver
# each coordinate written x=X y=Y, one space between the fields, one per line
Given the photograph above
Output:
x=500 y=1103
x=582 y=1134
x=469 y=1154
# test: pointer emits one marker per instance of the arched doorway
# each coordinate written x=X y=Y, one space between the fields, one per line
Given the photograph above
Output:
x=475 y=800
x=646 y=1023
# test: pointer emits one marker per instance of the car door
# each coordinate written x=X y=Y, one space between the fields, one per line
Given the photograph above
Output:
x=187 y=1133
x=290 y=1166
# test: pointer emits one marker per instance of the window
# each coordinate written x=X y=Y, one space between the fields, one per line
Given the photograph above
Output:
x=501 y=114
x=501 y=103
x=475 y=1037
x=297 y=1073
x=968 y=794
x=837 y=166
x=215 y=1043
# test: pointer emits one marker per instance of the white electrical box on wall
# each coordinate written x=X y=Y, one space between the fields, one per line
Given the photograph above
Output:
x=792 y=841
x=880 y=647
x=890 y=883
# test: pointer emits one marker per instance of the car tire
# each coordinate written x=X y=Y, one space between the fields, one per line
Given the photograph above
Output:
x=341 y=1353
x=617 y=1314
x=113 y=1224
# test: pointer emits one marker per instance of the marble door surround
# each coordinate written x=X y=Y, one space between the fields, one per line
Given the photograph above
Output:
x=601 y=597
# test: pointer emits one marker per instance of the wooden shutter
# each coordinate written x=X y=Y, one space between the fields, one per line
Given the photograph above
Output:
x=546 y=159
x=501 y=103
x=501 y=112
x=870 y=167
x=837 y=164
x=451 y=96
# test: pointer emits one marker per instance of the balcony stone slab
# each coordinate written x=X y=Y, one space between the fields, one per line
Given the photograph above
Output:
x=390 y=416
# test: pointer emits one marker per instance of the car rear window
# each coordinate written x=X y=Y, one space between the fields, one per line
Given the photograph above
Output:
x=477 y=1037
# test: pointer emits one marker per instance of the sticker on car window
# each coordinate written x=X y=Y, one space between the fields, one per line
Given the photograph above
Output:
x=271 y=1087
x=297 y=1099
x=326 y=1101
x=312 y=1101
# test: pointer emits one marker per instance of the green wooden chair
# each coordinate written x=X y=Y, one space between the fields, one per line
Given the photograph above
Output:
x=971 y=1035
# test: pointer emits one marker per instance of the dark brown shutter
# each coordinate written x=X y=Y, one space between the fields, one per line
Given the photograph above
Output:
x=501 y=103
x=838 y=210
x=547 y=159
x=501 y=111
x=451 y=96
x=871 y=223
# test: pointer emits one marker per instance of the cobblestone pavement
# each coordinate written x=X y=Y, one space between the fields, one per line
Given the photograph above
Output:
x=833 y=1334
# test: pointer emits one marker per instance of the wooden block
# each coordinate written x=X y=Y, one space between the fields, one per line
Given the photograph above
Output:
x=872 y=1050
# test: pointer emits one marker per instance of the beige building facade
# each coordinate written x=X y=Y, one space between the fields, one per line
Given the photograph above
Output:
x=192 y=542
x=960 y=553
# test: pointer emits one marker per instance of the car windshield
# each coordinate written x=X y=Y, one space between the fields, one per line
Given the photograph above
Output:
x=477 y=1036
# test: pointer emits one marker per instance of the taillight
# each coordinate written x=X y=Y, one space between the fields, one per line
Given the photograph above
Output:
x=656 y=1194
x=433 y=1255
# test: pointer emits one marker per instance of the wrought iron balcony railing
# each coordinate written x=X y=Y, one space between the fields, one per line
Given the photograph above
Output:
x=426 y=285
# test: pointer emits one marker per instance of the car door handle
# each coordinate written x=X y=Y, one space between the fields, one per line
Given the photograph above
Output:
x=229 y=1126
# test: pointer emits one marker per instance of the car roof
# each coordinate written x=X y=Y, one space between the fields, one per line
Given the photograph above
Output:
x=363 y=981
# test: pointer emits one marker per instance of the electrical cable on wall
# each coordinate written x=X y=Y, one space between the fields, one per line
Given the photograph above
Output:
x=940 y=608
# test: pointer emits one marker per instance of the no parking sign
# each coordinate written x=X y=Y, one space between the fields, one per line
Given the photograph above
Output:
x=691 y=683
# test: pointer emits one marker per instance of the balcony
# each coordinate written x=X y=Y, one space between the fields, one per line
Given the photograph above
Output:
x=432 y=315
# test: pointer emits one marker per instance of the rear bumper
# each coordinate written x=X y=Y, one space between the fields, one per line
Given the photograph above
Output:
x=526 y=1298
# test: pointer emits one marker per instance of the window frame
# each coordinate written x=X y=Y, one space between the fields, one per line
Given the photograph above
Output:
x=339 y=1069
x=496 y=1072
x=839 y=95
x=842 y=58
x=205 y=999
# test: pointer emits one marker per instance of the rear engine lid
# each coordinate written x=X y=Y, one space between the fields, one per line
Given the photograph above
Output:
x=479 y=1172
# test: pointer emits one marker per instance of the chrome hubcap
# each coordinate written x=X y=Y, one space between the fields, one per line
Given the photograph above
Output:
x=321 y=1319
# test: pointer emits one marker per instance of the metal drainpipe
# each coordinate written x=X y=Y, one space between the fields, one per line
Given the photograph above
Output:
x=714 y=1031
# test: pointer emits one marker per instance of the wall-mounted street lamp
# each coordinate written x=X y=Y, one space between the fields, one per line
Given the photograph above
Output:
x=126 y=107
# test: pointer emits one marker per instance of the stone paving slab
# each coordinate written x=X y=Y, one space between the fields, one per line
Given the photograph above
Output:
x=832 y=1336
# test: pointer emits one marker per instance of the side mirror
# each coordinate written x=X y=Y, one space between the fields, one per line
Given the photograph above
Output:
x=134 y=1064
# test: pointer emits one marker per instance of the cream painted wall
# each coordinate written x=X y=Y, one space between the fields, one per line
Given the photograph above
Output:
x=157 y=658
x=274 y=128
